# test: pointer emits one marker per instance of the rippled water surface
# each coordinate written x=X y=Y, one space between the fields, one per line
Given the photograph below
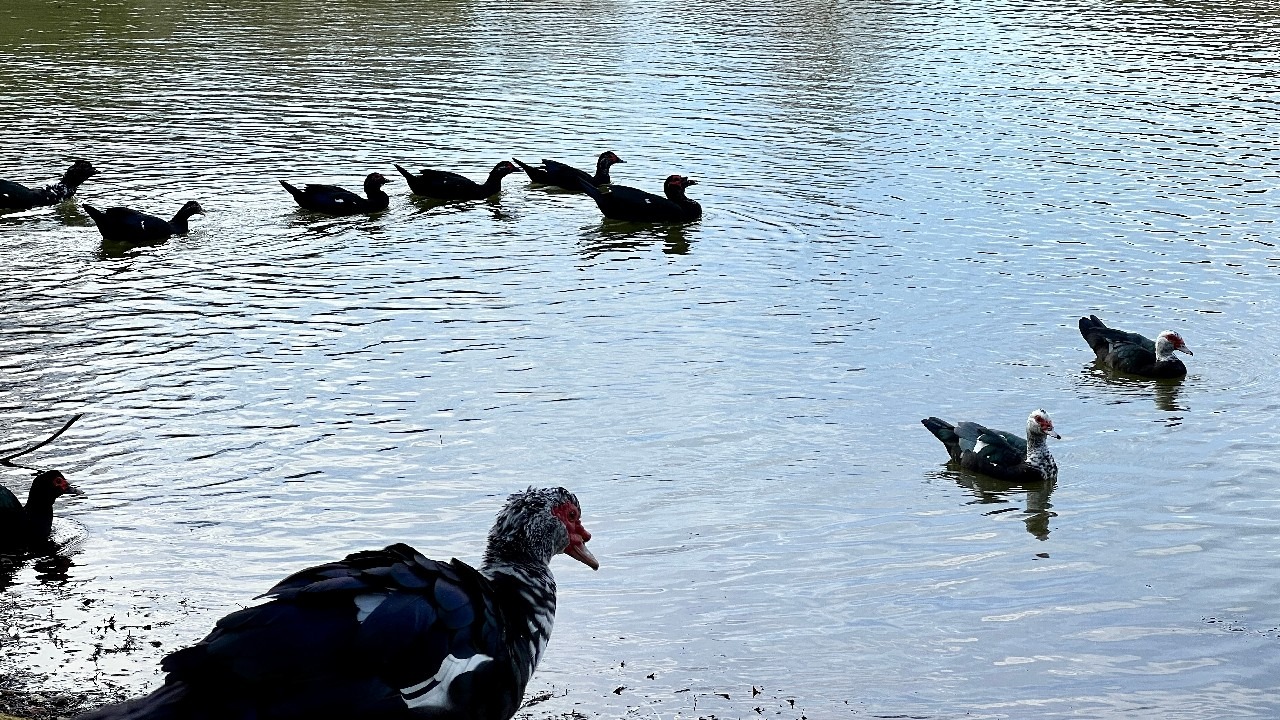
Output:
x=907 y=207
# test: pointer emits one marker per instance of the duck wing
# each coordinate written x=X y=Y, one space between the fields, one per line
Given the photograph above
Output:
x=379 y=634
x=996 y=447
x=566 y=176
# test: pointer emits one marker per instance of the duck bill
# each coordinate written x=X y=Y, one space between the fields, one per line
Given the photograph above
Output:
x=1186 y=350
x=578 y=551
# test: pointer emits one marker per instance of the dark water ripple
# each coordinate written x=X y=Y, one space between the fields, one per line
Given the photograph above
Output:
x=907 y=207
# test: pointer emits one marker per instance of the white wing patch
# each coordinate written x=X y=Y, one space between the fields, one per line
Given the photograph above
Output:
x=366 y=604
x=979 y=446
x=435 y=691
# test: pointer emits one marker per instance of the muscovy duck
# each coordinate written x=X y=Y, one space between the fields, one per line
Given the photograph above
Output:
x=620 y=202
x=14 y=196
x=28 y=527
x=445 y=185
x=333 y=200
x=1132 y=353
x=566 y=176
x=123 y=225
x=385 y=633
x=1001 y=455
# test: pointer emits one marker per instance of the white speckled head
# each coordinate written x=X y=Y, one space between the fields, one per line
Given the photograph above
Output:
x=538 y=524
x=1038 y=423
x=1169 y=341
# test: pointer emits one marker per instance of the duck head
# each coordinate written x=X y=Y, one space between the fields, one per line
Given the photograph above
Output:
x=503 y=169
x=1168 y=342
x=1039 y=424
x=608 y=158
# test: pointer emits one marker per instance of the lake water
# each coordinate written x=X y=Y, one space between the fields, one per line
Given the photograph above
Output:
x=907 y=208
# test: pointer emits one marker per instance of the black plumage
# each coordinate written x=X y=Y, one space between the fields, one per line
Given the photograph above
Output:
x=27 y=526
x=445 y=185
x=15 y=196
x=997 y=453
x=123 y=225
x=1133 y=353
x=334 y=200
x=568 y=177
x=385 y=633
x=619 y=202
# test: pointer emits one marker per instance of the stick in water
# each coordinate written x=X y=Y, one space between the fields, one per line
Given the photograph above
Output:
x=5 y=460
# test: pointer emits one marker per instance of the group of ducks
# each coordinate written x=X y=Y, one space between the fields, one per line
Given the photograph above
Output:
x=616 y=202
x=392 y=634
x=1005 y=456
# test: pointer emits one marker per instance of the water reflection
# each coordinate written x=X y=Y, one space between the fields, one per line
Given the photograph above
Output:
x=1123 y=388
x=1037 y=509
x=438 y=207
x=52 y=563
x=614 y=236
x=54 y=569
x=108 y=250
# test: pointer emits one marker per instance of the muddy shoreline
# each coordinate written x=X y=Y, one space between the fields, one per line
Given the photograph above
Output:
x=22 y=698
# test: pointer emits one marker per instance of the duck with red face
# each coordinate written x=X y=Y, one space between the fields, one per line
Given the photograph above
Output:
x=386 y=633
x=1135 y=354
x=619 y=202
x=999 y=454
x=27 y=527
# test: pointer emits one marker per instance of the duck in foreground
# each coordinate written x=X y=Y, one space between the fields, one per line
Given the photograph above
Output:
x=568 y=177
x=1133 y=353
x=385 y=633
x=445 y=185
x=333 y=200
x=14 y=196
x=124 y=225
x=1001 y=455
x=619 y=202
x=27 y=527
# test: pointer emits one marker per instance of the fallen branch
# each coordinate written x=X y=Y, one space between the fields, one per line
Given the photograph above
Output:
x=20 y=453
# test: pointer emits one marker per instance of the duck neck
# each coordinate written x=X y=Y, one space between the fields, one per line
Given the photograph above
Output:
x=494 y=183
x=377 y=198
x=59 y=191
x=73 y=179
x=1039 y=457
x=527 y=593
x=602 y=173
x=179 y=221
x=39 y=512
x=677 y=196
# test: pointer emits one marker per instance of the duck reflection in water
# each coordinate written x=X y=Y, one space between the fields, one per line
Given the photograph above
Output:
x=614 y=237
x=990 y=491
x=1123 y=388
x=52 y=562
